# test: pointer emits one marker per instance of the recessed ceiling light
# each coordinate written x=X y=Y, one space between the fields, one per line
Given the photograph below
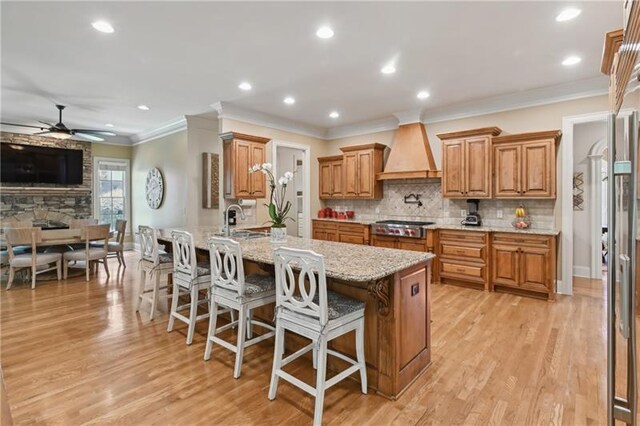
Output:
x=289 y=100
x=334 y=114
x=108 y=125
x=244 y=86
x=324 y=32
x=388 y=69
x=423 y=94
x=143 y=107
x=568 y=14
x=103 y=27
x=571 y=60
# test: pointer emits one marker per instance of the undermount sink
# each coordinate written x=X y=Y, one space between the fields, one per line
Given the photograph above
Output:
x=243 y=235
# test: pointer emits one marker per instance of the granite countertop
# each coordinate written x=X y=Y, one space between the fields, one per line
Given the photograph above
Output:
x=510 y=229
x=348 y=262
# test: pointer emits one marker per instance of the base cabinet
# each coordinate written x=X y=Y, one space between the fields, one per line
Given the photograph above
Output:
x=404 y=243
x=463 y=258
x=524 y=264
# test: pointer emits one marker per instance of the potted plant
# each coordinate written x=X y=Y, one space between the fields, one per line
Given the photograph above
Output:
x=278 y=206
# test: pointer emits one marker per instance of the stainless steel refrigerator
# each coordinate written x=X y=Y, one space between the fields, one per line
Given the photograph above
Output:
x=622 y=271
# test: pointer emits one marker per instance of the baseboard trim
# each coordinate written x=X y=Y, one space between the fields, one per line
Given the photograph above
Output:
x=562 y=288
x=581 y=271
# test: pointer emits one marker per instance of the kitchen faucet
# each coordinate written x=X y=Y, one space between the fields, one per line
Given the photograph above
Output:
x=225 y=228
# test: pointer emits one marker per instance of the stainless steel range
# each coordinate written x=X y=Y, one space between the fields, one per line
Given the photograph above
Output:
x=400 y=228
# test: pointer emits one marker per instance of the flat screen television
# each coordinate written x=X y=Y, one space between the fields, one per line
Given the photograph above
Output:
x=38 y=164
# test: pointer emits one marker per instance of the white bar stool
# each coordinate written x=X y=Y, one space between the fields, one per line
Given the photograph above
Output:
x=153 y=264
x=305 y=307
x=189 y=277
x=230 y=287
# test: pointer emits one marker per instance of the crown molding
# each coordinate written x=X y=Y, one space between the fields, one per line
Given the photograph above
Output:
x=529 y=98
x=169 y=128
x=363 y=128
x=233 y=112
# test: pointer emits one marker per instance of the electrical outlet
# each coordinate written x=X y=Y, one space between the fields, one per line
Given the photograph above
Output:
x=248 y=212
x=463 y=213
x=499 y=214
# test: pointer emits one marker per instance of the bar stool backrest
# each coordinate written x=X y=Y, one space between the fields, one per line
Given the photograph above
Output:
x=149 y=244
x=227 y=270
x=185 y=263
x=297 y=293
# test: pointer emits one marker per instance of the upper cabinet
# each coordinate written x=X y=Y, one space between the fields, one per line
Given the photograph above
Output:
x=331 y=175
x=361 y=163
x=466 y=163
x=240 y=152
x=524 y=165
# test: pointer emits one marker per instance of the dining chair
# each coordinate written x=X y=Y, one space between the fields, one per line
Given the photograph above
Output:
x=189 y=277
x=230 y=288
x=29 y=236
x=305 y=307
x=153 y=266
x=4 y=253
x=116 y=248
x=90 y=254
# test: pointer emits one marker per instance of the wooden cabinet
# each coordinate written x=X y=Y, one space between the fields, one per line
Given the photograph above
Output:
x=360 y=165
x=466 y=163
x=331 y=175
x=524 y=165
x=352 y=233
x=240 y=152
x=524 y=263
x=463 y=258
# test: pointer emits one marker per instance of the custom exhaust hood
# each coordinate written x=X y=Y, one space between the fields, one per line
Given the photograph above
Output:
x=410 y=156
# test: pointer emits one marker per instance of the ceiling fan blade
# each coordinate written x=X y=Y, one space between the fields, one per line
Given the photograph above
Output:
x=89 y=137
x=48 y=124
x=22 y=125
x=97 y=132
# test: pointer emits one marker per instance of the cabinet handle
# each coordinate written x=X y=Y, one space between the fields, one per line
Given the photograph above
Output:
x=461 y=270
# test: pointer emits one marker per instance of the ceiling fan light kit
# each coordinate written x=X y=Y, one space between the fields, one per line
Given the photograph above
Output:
x=60 y=131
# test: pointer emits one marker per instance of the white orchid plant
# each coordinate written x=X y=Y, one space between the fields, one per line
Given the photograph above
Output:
x=278 y=207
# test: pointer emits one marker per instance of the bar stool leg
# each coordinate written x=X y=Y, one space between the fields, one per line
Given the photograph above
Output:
x=242 y=330
x=154 y=296
x=320 y=380
x=213 y=320
x=193 y=313
x=277 y=361
x=141 y=286
x=360 y=355
x=174 y=306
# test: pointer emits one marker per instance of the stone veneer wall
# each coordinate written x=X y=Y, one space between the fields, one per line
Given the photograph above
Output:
x=71 y=200
x=438 y=209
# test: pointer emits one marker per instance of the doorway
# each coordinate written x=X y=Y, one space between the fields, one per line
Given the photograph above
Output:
x=291 y=157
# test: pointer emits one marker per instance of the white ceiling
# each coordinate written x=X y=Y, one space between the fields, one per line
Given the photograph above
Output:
x=180 y=58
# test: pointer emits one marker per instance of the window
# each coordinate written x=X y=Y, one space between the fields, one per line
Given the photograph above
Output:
x=111 y=197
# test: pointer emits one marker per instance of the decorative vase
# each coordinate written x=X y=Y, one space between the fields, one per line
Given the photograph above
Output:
x=278 y=235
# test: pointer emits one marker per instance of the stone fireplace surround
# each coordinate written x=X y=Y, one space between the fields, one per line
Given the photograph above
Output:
x=47 y=202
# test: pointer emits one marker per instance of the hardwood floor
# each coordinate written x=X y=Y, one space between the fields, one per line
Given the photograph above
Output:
x=76 y=352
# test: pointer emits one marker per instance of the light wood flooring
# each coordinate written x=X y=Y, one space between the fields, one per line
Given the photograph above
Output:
x=75 y=352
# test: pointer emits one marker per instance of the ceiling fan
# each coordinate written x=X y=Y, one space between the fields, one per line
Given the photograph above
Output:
x=60 y=131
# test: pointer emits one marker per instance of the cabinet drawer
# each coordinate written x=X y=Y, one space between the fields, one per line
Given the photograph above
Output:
x=467 y=236
x=456 y=270
x=325 y=225
x=523 y=239
x=351 y=238
x=351 y=227
x=464 y=252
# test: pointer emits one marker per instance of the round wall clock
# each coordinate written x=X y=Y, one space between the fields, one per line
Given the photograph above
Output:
x=154 y=188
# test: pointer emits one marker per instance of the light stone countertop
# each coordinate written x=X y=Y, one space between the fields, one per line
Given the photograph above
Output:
x=509 y=229
x=348 y=262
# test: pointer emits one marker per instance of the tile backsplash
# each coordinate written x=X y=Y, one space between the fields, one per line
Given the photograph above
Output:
x=441 y=210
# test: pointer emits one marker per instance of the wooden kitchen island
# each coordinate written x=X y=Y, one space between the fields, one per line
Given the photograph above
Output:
x=394 y=284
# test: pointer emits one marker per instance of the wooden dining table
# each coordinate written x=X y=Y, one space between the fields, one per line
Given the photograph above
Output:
x=55 y=237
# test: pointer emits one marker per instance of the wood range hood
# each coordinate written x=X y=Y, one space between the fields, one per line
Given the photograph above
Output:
x=410 y=156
